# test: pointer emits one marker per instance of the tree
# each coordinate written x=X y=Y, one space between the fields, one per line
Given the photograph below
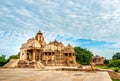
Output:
x=116 y=56
x=3 y=60
x=114 y=63
x=83 y=56
x=106 y=62
x=14 y=56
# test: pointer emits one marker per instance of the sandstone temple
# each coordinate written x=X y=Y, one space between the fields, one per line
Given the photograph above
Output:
x=98 y=60
x=36 y=50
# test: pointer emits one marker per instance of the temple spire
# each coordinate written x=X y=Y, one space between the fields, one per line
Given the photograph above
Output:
x=39 y=32
x=39 y=36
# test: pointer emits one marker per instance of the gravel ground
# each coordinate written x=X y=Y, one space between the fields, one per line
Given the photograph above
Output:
x=24 y=74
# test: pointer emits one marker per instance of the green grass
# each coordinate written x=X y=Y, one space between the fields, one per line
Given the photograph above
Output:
x=105 y=67
x=115 y=80
x=102 y=67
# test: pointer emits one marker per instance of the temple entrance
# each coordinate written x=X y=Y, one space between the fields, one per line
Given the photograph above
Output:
x=29 y=55
x=37 y=55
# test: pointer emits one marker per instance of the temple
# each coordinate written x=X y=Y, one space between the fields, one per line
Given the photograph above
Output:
x=98 y=60
x=36 y=50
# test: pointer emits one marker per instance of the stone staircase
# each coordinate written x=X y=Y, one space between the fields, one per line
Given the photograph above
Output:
x=39 y=65
x=11 y=64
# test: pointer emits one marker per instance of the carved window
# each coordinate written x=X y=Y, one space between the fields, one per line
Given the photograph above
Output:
x=66 y=54
x=49 y=53
x=73 y=54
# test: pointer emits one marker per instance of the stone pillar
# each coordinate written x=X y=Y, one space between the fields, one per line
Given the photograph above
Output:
x=40 y=56
x=53 y=59
x=33 y=56
x=60 y=59
x=21 y=55
x=47 y=53
x=25 y=55
x=47 y=58
x=29 y=57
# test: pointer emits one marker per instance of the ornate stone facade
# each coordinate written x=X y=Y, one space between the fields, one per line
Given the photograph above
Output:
x=98 y=60
x=51 y=54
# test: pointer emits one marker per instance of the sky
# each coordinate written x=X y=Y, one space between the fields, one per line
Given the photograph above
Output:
x=90 y=24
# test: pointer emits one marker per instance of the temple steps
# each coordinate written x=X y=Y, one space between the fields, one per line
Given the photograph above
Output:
x=11 y=64
x=39 y=65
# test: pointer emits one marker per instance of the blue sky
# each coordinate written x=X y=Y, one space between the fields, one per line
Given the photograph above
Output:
x=91 y=24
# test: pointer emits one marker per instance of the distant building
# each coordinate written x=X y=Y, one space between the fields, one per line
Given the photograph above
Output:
x=51 y=54
x=98 y=60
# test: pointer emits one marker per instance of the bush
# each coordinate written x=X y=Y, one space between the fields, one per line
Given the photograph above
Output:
x=83 y=56
x=14 y=56
x=114 y=63
x=106 y=62
x=116 y=56
x=3 y=60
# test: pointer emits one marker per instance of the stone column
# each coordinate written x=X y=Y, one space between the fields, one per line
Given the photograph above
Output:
x=21 y=54
x=60 y=59
x=40 y=56
x=47 y=58
x=33 y=56
x=25 y=55
x=53 y=59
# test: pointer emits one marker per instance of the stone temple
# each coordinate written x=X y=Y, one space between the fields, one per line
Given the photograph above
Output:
x=35 y=51
x=98 y=60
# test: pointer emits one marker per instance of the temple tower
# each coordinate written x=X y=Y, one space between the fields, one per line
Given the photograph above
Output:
x=39 y=37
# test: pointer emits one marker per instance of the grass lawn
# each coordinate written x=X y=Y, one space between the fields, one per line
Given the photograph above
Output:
x=102 y=67
x=115 y=80
x=105 y=67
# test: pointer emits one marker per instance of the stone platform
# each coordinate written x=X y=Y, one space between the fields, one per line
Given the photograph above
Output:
x=25 y=74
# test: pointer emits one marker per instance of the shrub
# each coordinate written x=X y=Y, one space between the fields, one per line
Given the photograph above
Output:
x=114 y=63
x=106 y=62
x=3 y=60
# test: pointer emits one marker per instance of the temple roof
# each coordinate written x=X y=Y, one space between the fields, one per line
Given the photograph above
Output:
x=55 y=42
x=97 y=56
x=69 y=49
x=40 y=32
x=50 y=48
x=31 y=43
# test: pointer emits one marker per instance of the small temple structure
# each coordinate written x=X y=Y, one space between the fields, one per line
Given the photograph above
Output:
x=37 y=52
x=98 y=60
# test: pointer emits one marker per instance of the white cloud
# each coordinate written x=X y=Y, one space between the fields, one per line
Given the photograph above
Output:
x=29 y=1
x=116 y=45
x=95 y=20
x=23 y=12
x=108 y=53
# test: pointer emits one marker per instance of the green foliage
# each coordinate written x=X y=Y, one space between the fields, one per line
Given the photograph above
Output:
x=14 y=56
x=83 y=56
x=106 y=62
x=115 y=79
x=114 y=63
x=116 y=56
x=101 y=67
x=3 y=60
